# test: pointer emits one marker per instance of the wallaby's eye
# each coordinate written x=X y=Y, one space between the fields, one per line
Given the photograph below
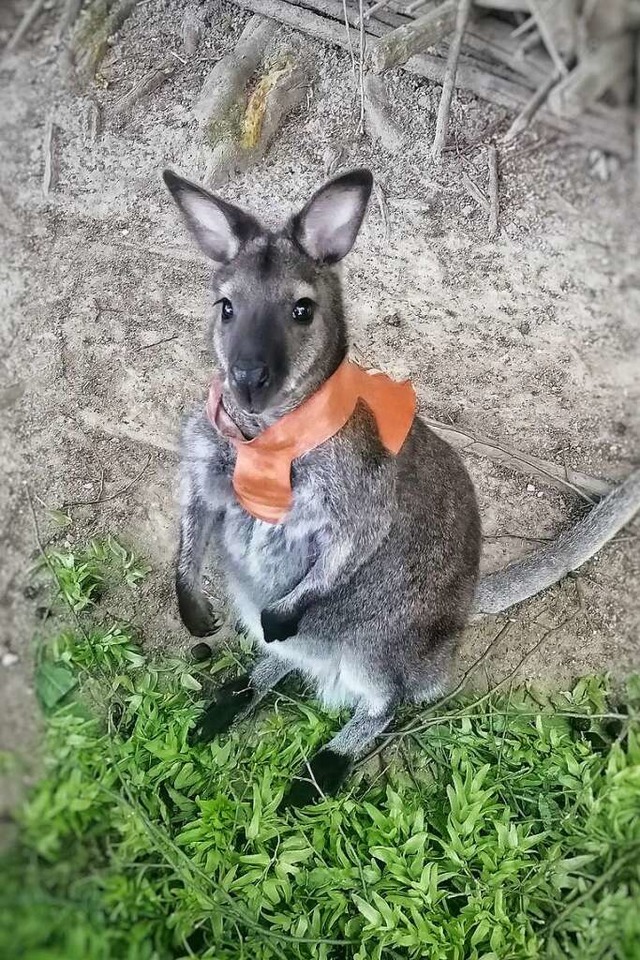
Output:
x=227 y=309
x=303 y=310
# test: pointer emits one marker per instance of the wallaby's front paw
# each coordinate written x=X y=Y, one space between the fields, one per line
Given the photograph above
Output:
x=276 y=626
x=231 y=700
x=198 y=615
x=323 y=777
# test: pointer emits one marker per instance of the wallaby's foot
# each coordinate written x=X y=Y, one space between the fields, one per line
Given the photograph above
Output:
x=233 y=699
x=277 y=626
x=323 y=777
x=197 y=614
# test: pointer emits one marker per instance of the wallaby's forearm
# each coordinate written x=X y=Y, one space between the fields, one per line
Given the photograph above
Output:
x=541 y=569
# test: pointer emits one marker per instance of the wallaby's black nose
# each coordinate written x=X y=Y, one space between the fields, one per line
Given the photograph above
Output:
x=250 y=375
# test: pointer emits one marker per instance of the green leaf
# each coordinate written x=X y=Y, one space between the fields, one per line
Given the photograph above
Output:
x=53 y=682
x=367 y=911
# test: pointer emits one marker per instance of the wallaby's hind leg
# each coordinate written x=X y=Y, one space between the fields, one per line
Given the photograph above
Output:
x=238 y=697
x=328 y=769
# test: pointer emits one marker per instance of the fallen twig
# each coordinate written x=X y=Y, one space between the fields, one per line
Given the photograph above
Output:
x=383 y=207
x=48 y=148
x=547 y=37
x=637 y=115
x=492 y=159
x=156 y=343
x=530 y=109
x=112 y=496
x=475 y=192
x=153 y=79
x=30 y=15
x=442 y=122
x=396 y=47
x=374 y=9
x=68 y=17
x=581 y=484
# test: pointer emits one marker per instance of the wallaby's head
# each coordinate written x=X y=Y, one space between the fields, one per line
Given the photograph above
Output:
x=278 y=324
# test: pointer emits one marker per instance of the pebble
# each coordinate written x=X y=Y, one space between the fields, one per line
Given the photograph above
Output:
x=530 y=488
x=9 y=659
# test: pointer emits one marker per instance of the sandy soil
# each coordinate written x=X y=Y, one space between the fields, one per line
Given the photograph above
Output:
x=531 y=339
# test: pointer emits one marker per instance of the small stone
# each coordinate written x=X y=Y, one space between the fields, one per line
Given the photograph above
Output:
x=467 y=210
x=201 y=652
x=9 y=659
x=539 y=493
x=530 y=488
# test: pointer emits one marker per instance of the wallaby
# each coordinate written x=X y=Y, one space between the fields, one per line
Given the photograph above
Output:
x=365 y=583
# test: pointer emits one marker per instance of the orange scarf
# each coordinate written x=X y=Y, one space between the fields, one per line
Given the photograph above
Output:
x=262 y=475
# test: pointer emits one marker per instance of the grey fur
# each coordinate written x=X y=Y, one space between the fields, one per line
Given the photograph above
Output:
x=371 y=577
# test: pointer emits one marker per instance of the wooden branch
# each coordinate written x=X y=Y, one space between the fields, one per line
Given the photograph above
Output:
x=492 y=160
x=396 y=47
x=224 y=86
x=151 y=80
x=69 y=16
x=442 y=121
x=30 y=15
x=558 y=25
x=592 y=77
x=492 y=38
x=48 y=148
x=476 y=193
x=637 y=115
x=510 y=6
x=583 y=484
x=530 y=109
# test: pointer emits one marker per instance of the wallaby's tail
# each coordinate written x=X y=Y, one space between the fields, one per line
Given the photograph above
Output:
x=542 y=568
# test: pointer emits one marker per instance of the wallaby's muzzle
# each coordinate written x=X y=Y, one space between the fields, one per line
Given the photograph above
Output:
x=249 y=380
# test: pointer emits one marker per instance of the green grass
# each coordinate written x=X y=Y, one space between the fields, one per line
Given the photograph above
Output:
x=506 y=828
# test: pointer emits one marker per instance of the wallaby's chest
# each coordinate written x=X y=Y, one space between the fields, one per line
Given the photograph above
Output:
x=267 y=559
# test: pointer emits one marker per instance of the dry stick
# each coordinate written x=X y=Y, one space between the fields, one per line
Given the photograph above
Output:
x=156 y=343
x=153 y=79
x=442 y=123
x=383 y=207
x=47 y=176
x=524 y=27
x=361 y=66
x=530 y=109
x=397 y=46
x=69 y=16
x=492 y=159
x=637 y=115
x=348 y=35
x=547 y=38
x=583 y=486
x=475 y=192
x=112 y=496
x=374 y=9
x=23 y=26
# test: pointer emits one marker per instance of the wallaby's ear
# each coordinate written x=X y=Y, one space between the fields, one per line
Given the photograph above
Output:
x=220 y=228
x=326 y=228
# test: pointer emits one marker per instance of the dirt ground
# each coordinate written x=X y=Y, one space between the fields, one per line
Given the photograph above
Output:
x=530 y=339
